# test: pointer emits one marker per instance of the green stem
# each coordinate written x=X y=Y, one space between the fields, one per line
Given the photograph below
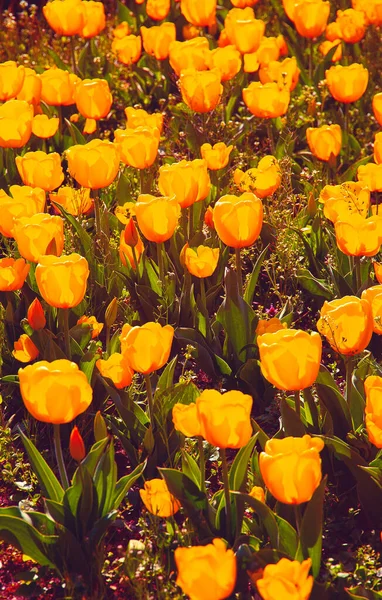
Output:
x=202 y=464
x=73 y=55
x=190 y=221
x=160 y=250
x=349 y=373
x=226 y=493
x=297 y=403
x=239 y=271
x=184 y=223
x=358 y=278
x=150 y=399
x=59 y=457
x=298 y=518
x=203 y=292
x=65 y=323
x=310 y=58
x=97 y=214
x=108 y=340
x=142 y=180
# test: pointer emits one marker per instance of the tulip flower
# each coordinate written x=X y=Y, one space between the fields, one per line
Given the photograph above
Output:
x=270 y=326
x=127 y=49
x=373 y=413
x=94 y=19
x=190 y=32
x=227 y=60
x=122 y=30
x=39 y=169
x=348 y=198
x=116 y=368
x=93 y=165
x=24 y=350
x=378 y=147
x=290 y=358
x=148 y=347
x=157 y=9
x=61 y=280
x=137 y=147
x=267 y=52
x=35 y=315
x=65 y=17
x=13 y=273
x=93 y=323
x=11 y=80
x=347 y=83
x=357 y=236
x=24 y=202
x=291 y=468
x=16 y=118
x=378 y=271
x=310 y=17
x=31 y=88
x=373 y=295
x=93 y=98
x=44 y=127
x=76 y=445
x=158 y=500
x=157 y=217
x=284 y=73
x=333 y=32
x=263 y=180
x=216 y=156
x=208 y=217
x=35 y=235
x=74 y=201
x=57 y=86
x=377 y=107
x=266 y=101
x=286 y=578
x=324 y=142
x=186 y=420
x=326 y=46
x=238 y=219
x=289 y=7
x=201 y=90
x=188 y=181
x=243 y=3
x=243 y=30
x=200 y=14
x=257 y=492
x=129 y=251
x=347 y=324
x=201 y=262
x=352 y=24
x=370 y=175
x=191 y=54
x=55 y=392
x=137 y=117
x=211 y=567
x=157 y=40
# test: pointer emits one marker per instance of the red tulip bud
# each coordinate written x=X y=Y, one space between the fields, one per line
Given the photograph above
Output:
x=131 y=233
x=76 y=445
x=35 y=315
x=208 y=218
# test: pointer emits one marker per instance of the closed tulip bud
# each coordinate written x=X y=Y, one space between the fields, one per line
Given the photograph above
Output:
x=137 y=117
x=95 y=326
x=216 y=156
x=25 y=202
x=201 y=90
x=138 y=147
x=158 y=500
x=58 y=86
x=291 y=468
x=31 y=89
x=16 y=117
x=126 y=249
x=243 y=30
x=157 y=9
x=284 y=73
x=290 y=358
x=238 y=219
x=185 y=419
x=270 y=326
x=347 y=84
x=227 y=60
x=36 y=316
x=55 y=392
x=127 y=49
x=377 y=107
x=188 y=181
x=13 y=273
x=74 y=201
x=116 y=368
x=11 y=80
x=100 y=430
x=33 y=235
x=200 y=14
x=76 y=445
x=39 y=169
x=157 y=40
x=61 y=280
x=326 y=46
x=357 y=236
x=347 y=324
x=24 y=350
x=373 y=413
x=111 y=312
x=201 y=262
x=147 y=347
x=211 y=567
x=262 y=180
x=344 y=200
x=191 y=54
x=352 y=24
x=225 y=419
x=208 y=217
x=266 y=101
x=94 y=19
x=286 y=578
x=324 y=142
x=131 y=234
x=122 y=30
x=157 y=217
x=93 y=98
x=371 y=176
x=44 y=127
x=310 y=17
x=65 y=17
x=93 y=165
x=378 y=147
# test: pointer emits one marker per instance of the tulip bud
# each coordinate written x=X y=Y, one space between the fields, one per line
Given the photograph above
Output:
x=182 y=255
x=76 y=445
x=100 y=431
x=131 y=234
x=208 y=217
x=111 y=313
x=35 y=315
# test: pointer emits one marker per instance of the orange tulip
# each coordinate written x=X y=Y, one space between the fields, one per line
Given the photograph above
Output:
x=208 y=217
x=126 y=250
x=157 y=217
x=138 y=147
x=93 y=165
x=238 y=219
x=191 y=54
x=347 y=84
x=55 y=392
x=74 y=201
x=357 y=236
x=122 y=30
x=266 y=101
x=24 y=350
x=35 y=315
x=44 y=127
x=25 y=202
x=93 y=98
x=201 y=262
x=285 y=73
x=216 y=156
x=16 y=118
x=326 y=46
x=127 y=49
x=96 y=327
x=270 y=326
x=268 y=51
x=310 y=17
x=190 y=32
x=373 y=413
x=378 y=271
x=76 y=445
x=352 y=24
x=324 y=142
x=157 y=9
x=137 y=117
x=65 y=17
x=35 y=235
x=201 y=90
x=243 y=3
x=57 y=86
x=370 y=175
x=377 y=107
x=158 y=500
x=378 y=147
x=61 y=280
x=373 y=295
x=39 y=169
x=344 y=200
x=31 y=88
x=243 y=30
x=257 y=492
x=188 y=181
x=13 y=273
x=200 y=14
x=94 y=19
x=291 y=468
x=185 y=419
x=11 y=79
x=157 y=40
x=262 y=180
x=347 y=324
x=116 y=368
x=148 y=347
x=227 y=60
x=286 y=578
x=333 y=31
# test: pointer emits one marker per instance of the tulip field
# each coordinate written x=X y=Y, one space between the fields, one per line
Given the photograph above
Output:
x=191 y=300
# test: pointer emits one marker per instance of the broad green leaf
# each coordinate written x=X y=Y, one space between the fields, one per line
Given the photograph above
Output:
x=191 y=468
x=317 y=287
x=292 y=425
x=310 y=544
x=124 y=484
x=167 y=377
x=334 y=402
x=252 y=282
x=239 y=468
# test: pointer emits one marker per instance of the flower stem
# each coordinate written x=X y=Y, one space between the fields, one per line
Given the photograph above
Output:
x=297 y=403
x=203 y=293
x=358 y=278
x=160 y=250
x=202 y=464
x=150 y=399
x=298 y=518
x=226 y=493
x=97 y=213
x=238 y=271
x=349 y=373
x=190 y=221
x=65 y=323
x=59 y=457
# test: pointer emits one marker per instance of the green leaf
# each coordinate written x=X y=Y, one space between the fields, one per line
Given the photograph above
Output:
x=57 y=60
x=167 y=377
x=239 y=468
x=125 y=483
x=252 y=282
x=317 y=287
x=331 y=397
x=191 y=468
x=105 y=479
x=292 y=425
x=310 y=544
x=350 y=173
x=76 y=134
